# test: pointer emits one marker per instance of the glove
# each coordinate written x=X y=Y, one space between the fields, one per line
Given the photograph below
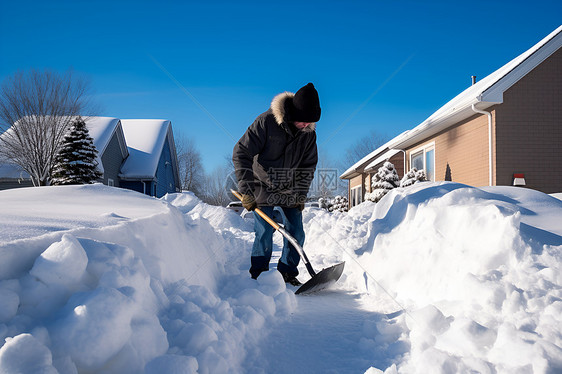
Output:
x=300 y=206
x=249 y=202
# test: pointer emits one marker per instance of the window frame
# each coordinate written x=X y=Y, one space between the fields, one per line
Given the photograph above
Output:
x=356 y=195
x=425 y=149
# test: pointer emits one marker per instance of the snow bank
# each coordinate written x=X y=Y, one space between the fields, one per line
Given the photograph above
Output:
x=439 y=278
x=477 y=272
x=99 y=279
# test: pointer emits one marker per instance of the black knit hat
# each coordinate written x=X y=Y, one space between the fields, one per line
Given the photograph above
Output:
x=306 y=105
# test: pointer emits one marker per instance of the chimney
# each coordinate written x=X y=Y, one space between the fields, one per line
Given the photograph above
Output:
x=473 y=79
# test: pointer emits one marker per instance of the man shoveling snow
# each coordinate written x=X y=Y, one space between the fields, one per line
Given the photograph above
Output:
x=275 y=162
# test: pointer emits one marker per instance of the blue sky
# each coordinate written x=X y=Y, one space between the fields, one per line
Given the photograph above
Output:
x=212 y=67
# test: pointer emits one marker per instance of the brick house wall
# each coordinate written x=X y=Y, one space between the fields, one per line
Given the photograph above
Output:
x=529 y=128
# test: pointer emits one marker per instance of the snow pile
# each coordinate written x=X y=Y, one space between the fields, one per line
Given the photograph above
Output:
x=476 y=271
x=100 y=279
x=439 y=278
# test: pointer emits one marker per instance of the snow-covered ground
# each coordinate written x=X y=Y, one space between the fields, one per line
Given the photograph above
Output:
x=439 y=278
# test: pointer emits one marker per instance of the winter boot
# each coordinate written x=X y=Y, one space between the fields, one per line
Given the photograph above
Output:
x=291 y=279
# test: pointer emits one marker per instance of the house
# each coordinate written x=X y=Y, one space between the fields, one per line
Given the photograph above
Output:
x=109 y=140
x=505 y=129
x=134 y=154
x=152 y=165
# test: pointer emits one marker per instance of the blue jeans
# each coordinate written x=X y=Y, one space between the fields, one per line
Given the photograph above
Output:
x=263 y=244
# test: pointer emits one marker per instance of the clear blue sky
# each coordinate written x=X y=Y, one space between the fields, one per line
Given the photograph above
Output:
x=212 y=67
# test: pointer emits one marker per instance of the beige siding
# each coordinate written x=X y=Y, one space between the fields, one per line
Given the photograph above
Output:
x=355 y=181
x=529 y=126
x=461 y=152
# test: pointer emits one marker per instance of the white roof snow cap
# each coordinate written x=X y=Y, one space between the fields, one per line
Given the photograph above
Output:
x=359 y=166
x=101 y=129
x=145 y=139
x=488 y=91
x=385 y=156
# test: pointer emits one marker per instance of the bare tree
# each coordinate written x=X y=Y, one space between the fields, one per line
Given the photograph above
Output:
x=36 y=109
x=326 y=181
x=192 y=173
x=363 y=147
x=216 y=186
x=219 y=183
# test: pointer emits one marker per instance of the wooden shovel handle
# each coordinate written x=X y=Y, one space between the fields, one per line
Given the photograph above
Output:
x=274 y=224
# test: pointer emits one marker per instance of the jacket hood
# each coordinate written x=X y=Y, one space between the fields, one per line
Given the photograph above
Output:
x=279 y=105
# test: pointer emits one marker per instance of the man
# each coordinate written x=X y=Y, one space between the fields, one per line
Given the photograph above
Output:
x=275 y=162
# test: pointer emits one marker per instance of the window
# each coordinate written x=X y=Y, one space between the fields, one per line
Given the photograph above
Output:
x=110 y=182
x=417 y=160
x=424 y=159
x=356 y=196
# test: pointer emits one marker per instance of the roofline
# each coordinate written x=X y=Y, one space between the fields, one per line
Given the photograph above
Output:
x=491 y=93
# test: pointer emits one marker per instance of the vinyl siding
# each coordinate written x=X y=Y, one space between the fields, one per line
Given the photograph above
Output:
x=165 y=172
x=461 y=152
x=112 y=160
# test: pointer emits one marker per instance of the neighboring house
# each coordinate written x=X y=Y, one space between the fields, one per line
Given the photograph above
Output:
x=136 y=154
x=152 y=167
x=109 y=140
x=505 y=129
x=107 y=134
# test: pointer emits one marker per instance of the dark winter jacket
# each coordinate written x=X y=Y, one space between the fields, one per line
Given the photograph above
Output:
x=274 y=160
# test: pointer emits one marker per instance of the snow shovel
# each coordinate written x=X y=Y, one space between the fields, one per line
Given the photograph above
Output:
x=319 y=281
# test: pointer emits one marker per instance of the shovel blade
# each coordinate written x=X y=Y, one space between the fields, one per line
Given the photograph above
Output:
x=323 y=279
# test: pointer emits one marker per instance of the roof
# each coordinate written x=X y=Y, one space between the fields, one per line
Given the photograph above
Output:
x=145 y=139
x=101 y=130
x=485 y=93
x=385 y=156
x=361 y=165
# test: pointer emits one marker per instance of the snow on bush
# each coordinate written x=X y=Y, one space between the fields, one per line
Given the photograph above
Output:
x=412 y=177
x=384 y=180
x=338 y=204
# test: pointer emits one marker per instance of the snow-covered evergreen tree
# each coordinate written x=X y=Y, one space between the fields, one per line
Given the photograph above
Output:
x=338 y=204
x=384 y=180
x=76 y=161
x=412 y=177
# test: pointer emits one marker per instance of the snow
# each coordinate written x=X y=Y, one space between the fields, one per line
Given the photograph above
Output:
x=439 y=278
x=101 y=130
x=145 y=139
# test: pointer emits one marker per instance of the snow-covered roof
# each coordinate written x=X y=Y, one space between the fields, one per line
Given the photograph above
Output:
x=101 y=129
x=145 y=139
x=385 y=156
x=360 y=165
x=486 y=92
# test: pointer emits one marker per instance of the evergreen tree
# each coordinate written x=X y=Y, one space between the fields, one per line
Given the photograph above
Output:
x=76 y=161
x=384 y=180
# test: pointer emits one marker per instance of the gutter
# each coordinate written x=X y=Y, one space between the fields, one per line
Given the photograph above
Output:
x=489 y=114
